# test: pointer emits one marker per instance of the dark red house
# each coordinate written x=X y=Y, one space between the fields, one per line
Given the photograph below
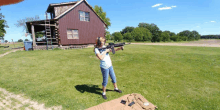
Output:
x=72 y=23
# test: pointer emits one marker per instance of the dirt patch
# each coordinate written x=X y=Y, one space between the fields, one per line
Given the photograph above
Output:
x=10 y=101
x=200 y=43
x=10 y=52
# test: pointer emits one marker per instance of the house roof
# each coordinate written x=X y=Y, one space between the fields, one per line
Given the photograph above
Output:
x=63 y=3
x=77 y=3
x=50 y=7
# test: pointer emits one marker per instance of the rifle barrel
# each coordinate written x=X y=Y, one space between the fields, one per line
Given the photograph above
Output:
x=114 y=45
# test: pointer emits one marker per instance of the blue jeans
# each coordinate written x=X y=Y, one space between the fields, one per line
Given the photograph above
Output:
x=105 y=73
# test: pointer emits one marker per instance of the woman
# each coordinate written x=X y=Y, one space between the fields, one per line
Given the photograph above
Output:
x=105 y=64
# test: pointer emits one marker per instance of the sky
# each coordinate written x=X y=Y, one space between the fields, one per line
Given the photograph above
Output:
x=173 y=15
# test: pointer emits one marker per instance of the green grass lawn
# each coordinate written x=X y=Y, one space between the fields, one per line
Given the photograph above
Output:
x=15 y=45
x=173 y=78
x=3 y=50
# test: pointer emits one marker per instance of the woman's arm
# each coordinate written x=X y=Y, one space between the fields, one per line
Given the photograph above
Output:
x=101 y=57
x=119 y=48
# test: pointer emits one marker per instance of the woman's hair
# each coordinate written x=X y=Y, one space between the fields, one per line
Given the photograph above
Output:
x=99 y=41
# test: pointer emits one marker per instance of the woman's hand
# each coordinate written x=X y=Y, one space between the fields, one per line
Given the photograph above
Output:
x=122 y=47
x=107 y=50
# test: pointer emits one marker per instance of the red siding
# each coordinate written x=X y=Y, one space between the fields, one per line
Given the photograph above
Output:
x=88 y=31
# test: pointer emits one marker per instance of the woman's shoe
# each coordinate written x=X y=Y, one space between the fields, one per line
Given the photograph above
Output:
x=104 y=96
x=118 y=90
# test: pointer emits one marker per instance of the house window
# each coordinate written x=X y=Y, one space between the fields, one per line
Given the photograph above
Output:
x=84 y=16
x=72 y=34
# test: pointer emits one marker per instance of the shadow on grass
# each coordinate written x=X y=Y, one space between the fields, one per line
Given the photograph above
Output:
x=90 y=88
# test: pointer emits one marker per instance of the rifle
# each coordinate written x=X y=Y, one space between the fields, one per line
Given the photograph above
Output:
x=112 y=45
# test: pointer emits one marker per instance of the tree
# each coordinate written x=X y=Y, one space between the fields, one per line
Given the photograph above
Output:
x=210 y=37
x=141 y=34
x=6 y=41
x=183 y=38
x=1 y=39
x=3 y=25
x=170 y=33
x=20 y=40
x=147 y=35
x=102 y=15
x=127 y=29
x=137 y=34
x=111 y=37
x=22 y=23
x=128 y=36
x=155 y=31
x=165 y=36
x=26 y=40
x=107 y=35
x=196 y=35
x=186 y=33
x=175 y=38
x=117 y=36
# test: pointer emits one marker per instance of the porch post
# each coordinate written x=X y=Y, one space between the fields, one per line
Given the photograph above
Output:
x=33 y=35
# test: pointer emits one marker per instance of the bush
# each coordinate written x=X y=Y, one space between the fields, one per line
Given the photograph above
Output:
x=57 y=49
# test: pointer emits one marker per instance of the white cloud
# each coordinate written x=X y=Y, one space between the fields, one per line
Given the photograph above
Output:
x=213 y=21
x=157 y=5
x=198 y=26
x=165 y=8
x=173 y=6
